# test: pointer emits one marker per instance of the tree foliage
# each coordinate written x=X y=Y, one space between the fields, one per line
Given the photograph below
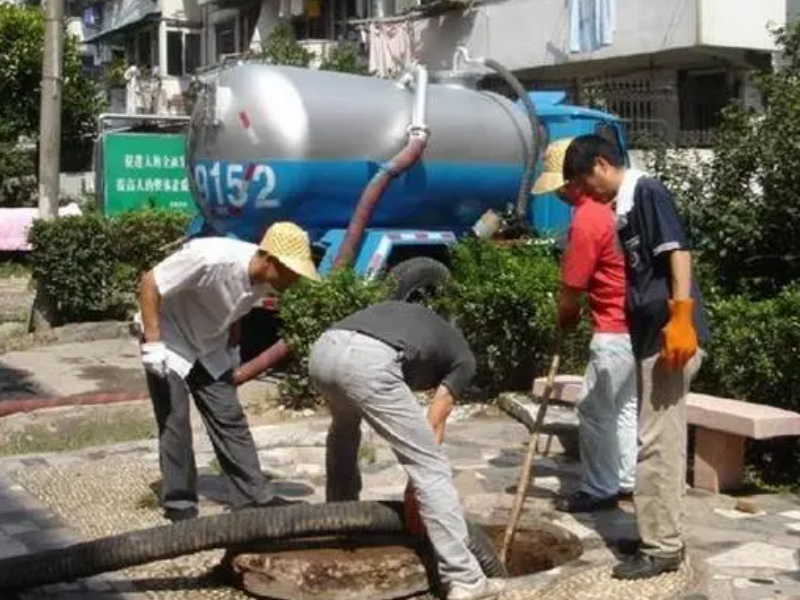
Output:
x=743 y=206
x=21 y=44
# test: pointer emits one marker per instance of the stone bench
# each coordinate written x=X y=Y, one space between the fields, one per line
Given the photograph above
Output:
x=722 y=426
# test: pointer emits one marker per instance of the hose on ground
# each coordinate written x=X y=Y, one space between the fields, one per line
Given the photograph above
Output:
x=220 y=531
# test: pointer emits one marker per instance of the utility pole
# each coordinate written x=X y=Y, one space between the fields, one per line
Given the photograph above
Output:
x=50 y=115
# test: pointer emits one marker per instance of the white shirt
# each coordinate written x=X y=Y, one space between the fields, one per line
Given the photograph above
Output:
x=205 y=288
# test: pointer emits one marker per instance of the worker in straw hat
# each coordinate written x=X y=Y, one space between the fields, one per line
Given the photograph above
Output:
x=593 y=264
x=191 y=304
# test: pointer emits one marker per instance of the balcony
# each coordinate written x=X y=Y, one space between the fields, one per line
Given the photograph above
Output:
x=531 y=34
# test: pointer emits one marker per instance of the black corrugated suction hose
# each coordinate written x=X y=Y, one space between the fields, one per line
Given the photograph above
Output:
x=220 y=531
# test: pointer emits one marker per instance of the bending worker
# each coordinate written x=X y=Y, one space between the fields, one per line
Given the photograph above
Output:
x=366 y=366
x=191 y=304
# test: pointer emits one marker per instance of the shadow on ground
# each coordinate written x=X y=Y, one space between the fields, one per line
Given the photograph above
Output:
x=16 y=383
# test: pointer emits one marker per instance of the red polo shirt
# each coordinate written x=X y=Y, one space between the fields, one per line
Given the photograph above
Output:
x=594 y=263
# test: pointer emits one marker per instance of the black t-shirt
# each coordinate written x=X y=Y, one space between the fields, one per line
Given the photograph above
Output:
x=433 y=351
x=648 y=233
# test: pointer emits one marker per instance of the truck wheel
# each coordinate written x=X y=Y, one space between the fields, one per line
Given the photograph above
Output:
x=418 y=277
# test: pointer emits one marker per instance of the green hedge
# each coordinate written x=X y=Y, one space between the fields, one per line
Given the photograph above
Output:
x=753 y=356
x=502 y=298
x=88 y=266
x=307 y=310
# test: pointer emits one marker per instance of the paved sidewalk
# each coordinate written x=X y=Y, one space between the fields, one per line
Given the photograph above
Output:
x=739 y=556
x=106 y=365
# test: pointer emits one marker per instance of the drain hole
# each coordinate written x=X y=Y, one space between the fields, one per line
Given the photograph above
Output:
x=536 y=549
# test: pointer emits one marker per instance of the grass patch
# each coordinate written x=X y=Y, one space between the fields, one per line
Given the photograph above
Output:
x=75 y=435
x=12 y=268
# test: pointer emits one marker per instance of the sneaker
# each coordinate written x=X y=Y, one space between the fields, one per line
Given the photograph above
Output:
x=486 y=588
x=644 y=566
x=180 y=514
x=581 y=502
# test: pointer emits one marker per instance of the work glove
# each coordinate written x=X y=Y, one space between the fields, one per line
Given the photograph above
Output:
x=154 y=358
x=680 y=337
x=413 y=521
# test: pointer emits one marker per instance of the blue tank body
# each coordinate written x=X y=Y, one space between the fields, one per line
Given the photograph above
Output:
x=278 y=143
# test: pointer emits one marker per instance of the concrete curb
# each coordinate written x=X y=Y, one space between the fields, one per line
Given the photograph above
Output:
x=67 y=334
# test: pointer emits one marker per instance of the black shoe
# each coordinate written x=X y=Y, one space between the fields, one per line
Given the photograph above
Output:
x=625 y=496
x=629 y=546
x=644 y=566
x=180 y=514
x=580 y=502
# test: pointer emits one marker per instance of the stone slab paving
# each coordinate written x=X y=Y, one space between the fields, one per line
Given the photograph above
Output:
x=54 y=500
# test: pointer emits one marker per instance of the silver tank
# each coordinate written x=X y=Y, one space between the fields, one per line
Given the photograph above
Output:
x=301 y=118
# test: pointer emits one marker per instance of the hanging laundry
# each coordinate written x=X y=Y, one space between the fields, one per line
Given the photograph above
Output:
x=592 y=24
x=391 y=48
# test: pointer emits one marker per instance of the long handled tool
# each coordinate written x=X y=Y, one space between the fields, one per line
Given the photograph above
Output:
x=533 y=443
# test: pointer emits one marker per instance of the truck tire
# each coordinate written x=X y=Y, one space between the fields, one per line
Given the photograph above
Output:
x=417 y=277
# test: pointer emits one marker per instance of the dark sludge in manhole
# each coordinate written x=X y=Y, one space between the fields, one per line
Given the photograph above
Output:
x=536 y=549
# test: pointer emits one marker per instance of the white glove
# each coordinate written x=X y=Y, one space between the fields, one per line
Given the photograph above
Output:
x=154 y=358
x=236 y=357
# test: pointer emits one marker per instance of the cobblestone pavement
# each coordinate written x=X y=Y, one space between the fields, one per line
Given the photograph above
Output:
x=49 y=501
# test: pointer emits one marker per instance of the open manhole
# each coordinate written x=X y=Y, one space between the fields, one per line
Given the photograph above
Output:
x=380 y=569
x=538 y=547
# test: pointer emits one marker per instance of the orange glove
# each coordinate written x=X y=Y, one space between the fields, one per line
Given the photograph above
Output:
x=414 y=523
x=680 y=338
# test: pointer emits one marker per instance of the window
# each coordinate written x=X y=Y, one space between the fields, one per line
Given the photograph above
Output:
x=225 y=35
x=183 y=52
x=703 y=95
x=175 y=53
x=192 y=52
x=144 y=43
x=247 y=25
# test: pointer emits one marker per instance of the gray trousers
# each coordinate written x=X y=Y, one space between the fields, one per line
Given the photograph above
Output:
x=607 y=417
x=661 y=467
x=227 y=427
x=362 y=377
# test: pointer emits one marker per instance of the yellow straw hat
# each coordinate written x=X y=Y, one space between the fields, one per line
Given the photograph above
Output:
x=552 y=177
x=289 y=244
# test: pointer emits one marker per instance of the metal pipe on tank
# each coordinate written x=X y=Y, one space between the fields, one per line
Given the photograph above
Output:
x=405 y=159
x=419 y=114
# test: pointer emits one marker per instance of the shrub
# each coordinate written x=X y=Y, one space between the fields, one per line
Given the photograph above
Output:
x=17 y=176
x=344 y=59
x=21 y=44
x=752 y=356
x=281 y=48
x=88 y=266
x=307 y=310
x=504 y=300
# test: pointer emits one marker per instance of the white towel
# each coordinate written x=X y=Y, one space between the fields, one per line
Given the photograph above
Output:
x=592 y=24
